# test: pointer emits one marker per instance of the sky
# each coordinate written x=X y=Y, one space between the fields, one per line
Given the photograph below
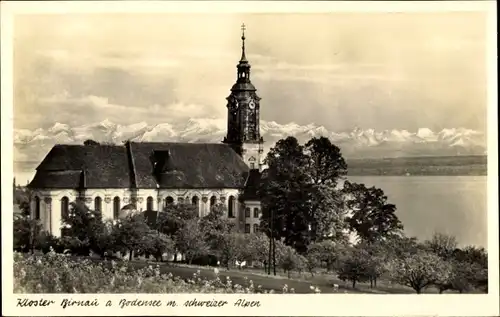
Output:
x=339 y=70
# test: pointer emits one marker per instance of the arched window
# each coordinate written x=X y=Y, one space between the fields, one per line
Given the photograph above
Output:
x=169 y=201
x=116 y=207
x=230 y=209
x=195 y=201
x=65 y=207
x=37 y=207
x=149 y=203
x=98 y=204
x=213 y=201
x=255 y=228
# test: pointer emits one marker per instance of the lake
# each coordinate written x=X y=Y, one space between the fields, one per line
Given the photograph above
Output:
x=455 y=205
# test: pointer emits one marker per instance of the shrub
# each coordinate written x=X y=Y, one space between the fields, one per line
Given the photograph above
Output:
x=47 y=241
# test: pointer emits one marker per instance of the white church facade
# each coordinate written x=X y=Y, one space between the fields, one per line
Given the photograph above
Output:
x=150 y=175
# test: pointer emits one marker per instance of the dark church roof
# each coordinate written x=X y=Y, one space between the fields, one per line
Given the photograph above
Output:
x=141 y=165
x=251 y=185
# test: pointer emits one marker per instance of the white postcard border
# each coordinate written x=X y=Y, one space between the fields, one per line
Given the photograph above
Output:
x=277 y=305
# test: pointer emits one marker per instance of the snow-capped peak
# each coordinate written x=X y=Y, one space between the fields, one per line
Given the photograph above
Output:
x=427 y=134
x=58 y=127
x=107 y=124
x=424 y=132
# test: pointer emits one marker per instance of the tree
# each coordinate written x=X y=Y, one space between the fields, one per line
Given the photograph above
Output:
x=190 y=240
x=27 y=232
x=461 y=277
x=23 y=197
x=129 y=232
x=173 y=219
x=396 y=247
x=311 y=263
x=218 y=233
x=377 y=257
x=157 y=244
x=326 y=163
x=372 y=218
x=230 y=248
x=442 y=245
x=326 y=167
x=215 y=224
x=285 y=190
x=291 y=260
x=325 y=252
x=472 y=262
x=87 y=226
x=256 y=248
x=468 y=265
x=419 y=270
x=300 y=188
x=105 y=243
x=354 y=265
x=472 y=254
x=328 y=214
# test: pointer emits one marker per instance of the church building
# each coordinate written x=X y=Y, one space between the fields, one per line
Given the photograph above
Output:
x=150 y=175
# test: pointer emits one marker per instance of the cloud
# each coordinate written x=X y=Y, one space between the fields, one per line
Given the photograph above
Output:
x=85 y=109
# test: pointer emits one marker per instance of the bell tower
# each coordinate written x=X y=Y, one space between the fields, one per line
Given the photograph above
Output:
x=243 y=107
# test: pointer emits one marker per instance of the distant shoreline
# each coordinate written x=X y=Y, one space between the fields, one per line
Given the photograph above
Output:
x=471 y=165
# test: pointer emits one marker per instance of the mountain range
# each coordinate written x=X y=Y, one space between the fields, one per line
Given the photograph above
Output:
x=33 y=145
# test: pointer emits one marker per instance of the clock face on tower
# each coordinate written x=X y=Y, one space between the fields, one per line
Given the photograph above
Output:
x=251 y=105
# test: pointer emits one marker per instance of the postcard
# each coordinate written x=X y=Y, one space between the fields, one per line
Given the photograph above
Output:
x=249 y=158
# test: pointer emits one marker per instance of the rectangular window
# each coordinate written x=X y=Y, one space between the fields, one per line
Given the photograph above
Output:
x=256 y=213
x=247 y=228
x=247 y=212
x=252 y=166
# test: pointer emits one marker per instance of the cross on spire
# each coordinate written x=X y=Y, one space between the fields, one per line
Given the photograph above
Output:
x=243 y=28
x=243 y=57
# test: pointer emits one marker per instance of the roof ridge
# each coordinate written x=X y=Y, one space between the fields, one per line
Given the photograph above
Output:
x=186 y=143
x=84 y=145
